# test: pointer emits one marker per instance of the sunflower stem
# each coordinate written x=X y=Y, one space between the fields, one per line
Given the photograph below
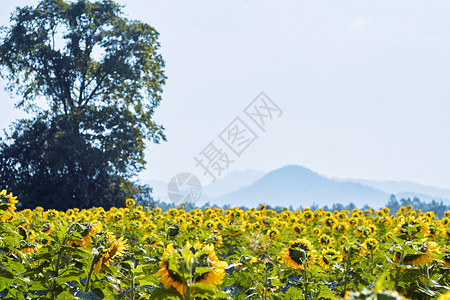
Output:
x=305 y=265
x=91 y=269
x=397 y=274
x=347 y=268
x=371 y=261
x=265 y=284
x=58 y=259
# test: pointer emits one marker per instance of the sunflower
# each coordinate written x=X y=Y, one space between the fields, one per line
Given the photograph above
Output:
x=411 y=228
x=7 y=206
x=256 y=226
x=355 y=248
x=426 y=253
x=28 y=247
x=308 y=216
x=446 y=259
x=371 y=244
x=273 y=234
x=316 y=231
x=298 y=254
x=329 y=257
x=298 y=229
x=216 y=240
x=199 y=257
x=116 y=248
x=87 y=230
x=325 y=240
x=236 y=230
x=23 y=232
x=130 y=202
x=22 y=221
x=446 y=231
x=340 y=228
x=197 y=222
x=209 y=225
x=445 y=296
x=329 y=222
x=353 y=221
x=445 y=221
x=220 y=226
x=51 y=214
x=209 y=260
x=389 y=235
x=381 y=214
x=293 y=220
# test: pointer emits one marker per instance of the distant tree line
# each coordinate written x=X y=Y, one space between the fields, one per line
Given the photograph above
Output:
x=393 y=204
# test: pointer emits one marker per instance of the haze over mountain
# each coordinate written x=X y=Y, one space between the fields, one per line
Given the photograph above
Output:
x=230 y=182
x=407 y=189
x=298 y=186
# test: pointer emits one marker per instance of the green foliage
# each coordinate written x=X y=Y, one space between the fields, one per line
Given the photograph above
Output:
x=93 y=79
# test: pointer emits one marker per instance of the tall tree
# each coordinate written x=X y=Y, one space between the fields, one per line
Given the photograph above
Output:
x=92 y=79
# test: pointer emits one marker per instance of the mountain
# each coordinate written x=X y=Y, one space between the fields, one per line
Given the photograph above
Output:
x=231 y=182
x=298 y=186
x=407 y=189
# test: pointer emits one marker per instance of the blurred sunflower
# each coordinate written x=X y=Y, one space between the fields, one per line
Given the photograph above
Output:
x=329 y=257
x=236 y=229
x=446 y=259
x=114 y=247
x=340 y=228
x=216 y=240
x=273 y=234
x=130 y=202
x=28 y=247
x=87 y=230
x=209 y=224
x=298 y=229
x=23 y=232
x=445 y=296
x=427 y=252
x=411 y=228
x=329 y=222
x=316 y=231
x=445 y=221
x=325 y=240
x=199 y=258
x=308 y=216
x=298 y=254
x=8 y=205
x=371 y=244
x=355 y=249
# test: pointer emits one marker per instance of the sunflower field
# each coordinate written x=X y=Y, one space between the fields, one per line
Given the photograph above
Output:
x=138 y=253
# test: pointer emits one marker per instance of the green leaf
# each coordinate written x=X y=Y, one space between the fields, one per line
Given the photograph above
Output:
x=163 y=293
x=293 y=293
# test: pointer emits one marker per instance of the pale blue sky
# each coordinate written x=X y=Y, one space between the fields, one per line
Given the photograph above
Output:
x=364 y=85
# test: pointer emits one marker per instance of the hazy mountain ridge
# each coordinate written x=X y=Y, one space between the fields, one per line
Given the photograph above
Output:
x=299 y=186
x=230 y=182
x=408 y=189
